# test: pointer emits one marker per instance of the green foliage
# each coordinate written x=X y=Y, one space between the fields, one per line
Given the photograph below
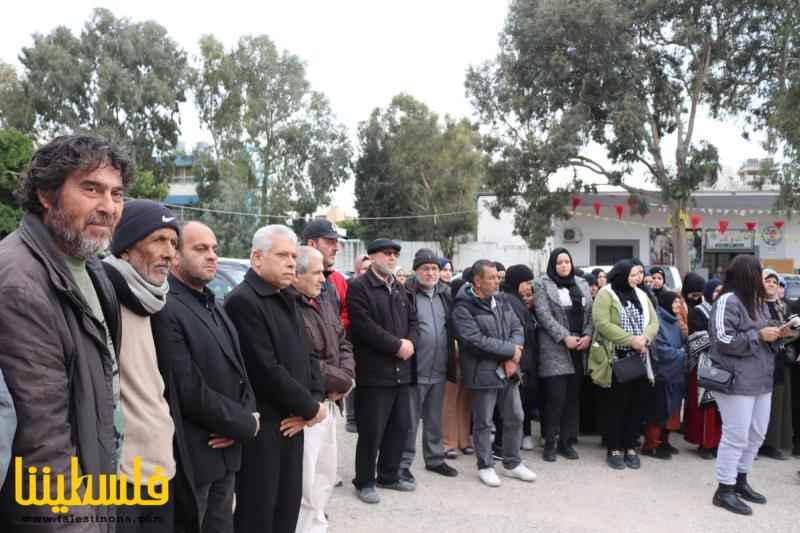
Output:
x=264 y=116
x=15 y=152
x=148 y=186
x=621 y=74
x=122 y=78
x=15 y=110
x=412 y=164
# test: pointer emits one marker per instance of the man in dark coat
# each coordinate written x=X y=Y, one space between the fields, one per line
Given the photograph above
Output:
x=491 y=340
x=59 y=324
x=197 y=341
x=384 y=330
x=288 y=388
x=329 y=341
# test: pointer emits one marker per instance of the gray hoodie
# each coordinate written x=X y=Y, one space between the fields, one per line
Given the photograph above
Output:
x=737 y=347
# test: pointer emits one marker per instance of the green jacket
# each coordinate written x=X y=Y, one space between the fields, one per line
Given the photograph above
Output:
x=606 y=316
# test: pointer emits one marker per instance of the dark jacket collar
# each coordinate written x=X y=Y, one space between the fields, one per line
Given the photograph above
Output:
x=376 y=281
x=261 y=287
x=206 y=298
x=37 y=237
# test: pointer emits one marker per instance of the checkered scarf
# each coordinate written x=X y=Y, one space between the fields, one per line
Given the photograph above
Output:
x=632 y=321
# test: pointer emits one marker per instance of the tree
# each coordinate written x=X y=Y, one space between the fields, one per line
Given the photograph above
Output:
x=260 y=109
x=122 y=78
x=411 y=165
x=15 y=110
x=147 y=186
x=16 y=151
x=629 y=76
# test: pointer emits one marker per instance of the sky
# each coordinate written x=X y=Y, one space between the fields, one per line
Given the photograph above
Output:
x=359 y=53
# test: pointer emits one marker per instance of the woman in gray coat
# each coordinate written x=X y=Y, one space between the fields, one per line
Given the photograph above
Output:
x=563 y=306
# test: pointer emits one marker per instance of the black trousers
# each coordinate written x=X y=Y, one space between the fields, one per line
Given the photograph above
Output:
x=561 y=404
x=624 y=412
x=269 y=486
x=384 y=419
x=215 y=501
x=146 y=519
x=527 y=393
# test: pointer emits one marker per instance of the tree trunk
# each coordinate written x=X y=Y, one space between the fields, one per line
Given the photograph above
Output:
x=679 y=248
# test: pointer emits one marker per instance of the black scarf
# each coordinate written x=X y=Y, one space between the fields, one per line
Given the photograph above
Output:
x=618 y=277
x=575 y=312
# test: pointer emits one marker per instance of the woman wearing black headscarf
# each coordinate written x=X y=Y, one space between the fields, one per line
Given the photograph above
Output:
x=519 y=291
x=626 y=324
x=563 y=307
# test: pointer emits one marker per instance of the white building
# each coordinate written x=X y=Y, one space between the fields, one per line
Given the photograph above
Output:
x=604 y=239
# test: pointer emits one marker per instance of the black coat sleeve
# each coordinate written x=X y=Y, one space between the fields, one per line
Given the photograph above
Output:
x=270 y=379
x=199 y=402
x=363 y=327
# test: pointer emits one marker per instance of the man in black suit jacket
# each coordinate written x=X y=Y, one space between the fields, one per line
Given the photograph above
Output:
x=286 y=380
x=195 y=337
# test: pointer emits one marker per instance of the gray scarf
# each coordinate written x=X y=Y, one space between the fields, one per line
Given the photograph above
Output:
x=151 y=297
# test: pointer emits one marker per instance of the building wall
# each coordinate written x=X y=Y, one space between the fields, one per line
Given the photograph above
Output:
x=607 y=227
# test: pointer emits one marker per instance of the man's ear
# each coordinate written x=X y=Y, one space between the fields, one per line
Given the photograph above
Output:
x=45 y=198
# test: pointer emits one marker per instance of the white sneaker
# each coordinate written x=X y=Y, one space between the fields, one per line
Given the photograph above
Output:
x=489 y=477
x=527 y=443
x=521 y=472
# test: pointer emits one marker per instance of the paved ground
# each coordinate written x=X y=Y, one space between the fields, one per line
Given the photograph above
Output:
x=571 y=497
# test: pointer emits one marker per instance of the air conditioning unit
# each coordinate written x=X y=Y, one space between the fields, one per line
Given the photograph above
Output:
x=571 y=235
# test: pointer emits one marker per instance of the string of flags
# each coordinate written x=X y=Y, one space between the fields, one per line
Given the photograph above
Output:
x=694 y=221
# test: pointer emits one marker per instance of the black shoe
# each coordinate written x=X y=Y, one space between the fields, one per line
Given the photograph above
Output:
x=549 y=453
x=451 y=454
x=657 y=453
x=567 y=450
x=406 y=475
x=726 y=498
x=632 y=460
x=746 y=492
x=469 y=450
x=615 y=460
x=443 y=469
x=772 y=453
x=669 y=447
x=706 y=453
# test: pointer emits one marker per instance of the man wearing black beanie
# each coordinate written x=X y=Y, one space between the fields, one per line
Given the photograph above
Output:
x=143 y=247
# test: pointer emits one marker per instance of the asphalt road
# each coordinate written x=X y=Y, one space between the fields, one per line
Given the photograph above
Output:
x=570 y=496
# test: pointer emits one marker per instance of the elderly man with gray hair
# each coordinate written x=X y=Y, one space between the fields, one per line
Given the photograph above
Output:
x=287 y=384
x=329 y=342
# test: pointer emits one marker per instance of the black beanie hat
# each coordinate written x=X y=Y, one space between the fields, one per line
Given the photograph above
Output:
x=516 y=275
x=140 y=218
x=693 y=282
x=425 y=256
x=665 y=299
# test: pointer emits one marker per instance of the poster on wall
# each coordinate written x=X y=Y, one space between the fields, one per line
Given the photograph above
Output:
x=662 y=251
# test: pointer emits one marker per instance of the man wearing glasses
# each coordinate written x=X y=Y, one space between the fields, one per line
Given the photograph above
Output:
x=384 y=331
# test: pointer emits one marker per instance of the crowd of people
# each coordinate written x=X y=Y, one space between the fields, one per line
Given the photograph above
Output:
x=117 y=357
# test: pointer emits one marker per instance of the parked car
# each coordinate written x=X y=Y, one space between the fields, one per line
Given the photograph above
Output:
x=792 y=293
x=230 y=273
x=674 y=281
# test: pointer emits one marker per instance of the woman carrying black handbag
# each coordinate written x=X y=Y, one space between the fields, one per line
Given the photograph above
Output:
x=741 y=344
x=625 y=325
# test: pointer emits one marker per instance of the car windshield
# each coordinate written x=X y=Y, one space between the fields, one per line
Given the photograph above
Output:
x=792 y=289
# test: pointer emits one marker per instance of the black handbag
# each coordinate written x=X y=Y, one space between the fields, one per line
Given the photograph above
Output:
x=712 y=377
x=628 y=368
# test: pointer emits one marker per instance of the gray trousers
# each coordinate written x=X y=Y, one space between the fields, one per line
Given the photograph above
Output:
x=744 y=425
x=483 y=402
x=427 y=402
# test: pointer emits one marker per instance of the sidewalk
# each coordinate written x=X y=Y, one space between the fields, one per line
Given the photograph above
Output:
x=570 y=496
